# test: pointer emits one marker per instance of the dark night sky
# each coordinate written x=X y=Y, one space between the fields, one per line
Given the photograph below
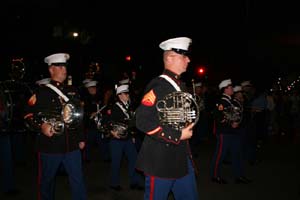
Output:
x=234 y=39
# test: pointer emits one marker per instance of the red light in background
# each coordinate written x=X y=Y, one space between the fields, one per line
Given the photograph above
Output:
x=128 y=58
x=200 y=70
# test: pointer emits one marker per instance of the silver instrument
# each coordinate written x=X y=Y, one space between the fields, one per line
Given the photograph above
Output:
x=121 y=129
x=72 y=113
x=71 y=117
x=13 y=99
x=57 y=125
x=178 y=109
x=98 y=118
x=198 y=99
x=233 y=114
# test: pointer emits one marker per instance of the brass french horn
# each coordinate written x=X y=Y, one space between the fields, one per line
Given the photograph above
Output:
x=178 y=109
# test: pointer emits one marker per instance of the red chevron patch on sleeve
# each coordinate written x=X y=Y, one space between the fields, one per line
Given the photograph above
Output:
x=32 y=100
x=149 y=98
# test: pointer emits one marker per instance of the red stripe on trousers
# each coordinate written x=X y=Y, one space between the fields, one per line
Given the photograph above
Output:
x=219 y=154
x=151 y=196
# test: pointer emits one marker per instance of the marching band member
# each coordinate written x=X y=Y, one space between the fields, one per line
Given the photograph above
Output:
x=227 y=119
x=93 y=108
x=165 y=157
x=122 y=140
x=58 y=142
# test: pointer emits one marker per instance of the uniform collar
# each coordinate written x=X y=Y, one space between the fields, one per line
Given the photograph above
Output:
x=226 y=96
x=174 y=76
x=56 y=83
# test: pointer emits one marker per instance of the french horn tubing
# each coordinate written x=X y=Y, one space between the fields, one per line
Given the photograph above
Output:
x=178 y=109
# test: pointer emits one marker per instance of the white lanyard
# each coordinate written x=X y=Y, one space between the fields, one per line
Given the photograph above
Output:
x=55 y=89
x=171 y=81
x=123 y=109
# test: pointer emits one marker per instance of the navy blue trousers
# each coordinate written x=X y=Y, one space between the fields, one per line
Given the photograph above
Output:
x=6 y=163
x=227 y=143
x=117 y=149
x=184 y=188
x=48 y=167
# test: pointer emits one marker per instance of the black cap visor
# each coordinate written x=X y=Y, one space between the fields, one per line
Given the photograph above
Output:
x=59 y=64
x=181 y=51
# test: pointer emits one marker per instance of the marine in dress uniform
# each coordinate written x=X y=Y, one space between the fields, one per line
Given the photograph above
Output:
x=228 y=134
x=122 y=141
x=93 y=108
x=201 y=129
x=165 y=156
x=251 y=145
x=58 y=142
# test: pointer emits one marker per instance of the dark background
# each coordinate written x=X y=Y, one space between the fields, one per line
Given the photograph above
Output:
x=242 y=40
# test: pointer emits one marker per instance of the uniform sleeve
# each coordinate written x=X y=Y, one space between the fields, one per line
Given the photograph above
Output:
x=116 y=114
x=147 y=119
x=32 y=118
x=219 y=114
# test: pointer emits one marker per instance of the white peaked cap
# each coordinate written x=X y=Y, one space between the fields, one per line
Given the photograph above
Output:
x=246 y=83
x=124 y=81
x=122 y=88
x=91 y=84
x=225 y=83
x=58 y=58
x=85 y=81
x=198 y=84
x=237 y=88
x=181 y=43
x=43 y=81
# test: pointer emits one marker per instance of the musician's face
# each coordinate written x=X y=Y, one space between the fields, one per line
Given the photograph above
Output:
x=198 y=90
x=229 y=90
x=58 y=73
x=175 y=62
x=92 y=90
x=124 y=97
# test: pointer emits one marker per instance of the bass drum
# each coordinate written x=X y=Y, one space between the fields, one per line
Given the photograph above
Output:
x=13 y=100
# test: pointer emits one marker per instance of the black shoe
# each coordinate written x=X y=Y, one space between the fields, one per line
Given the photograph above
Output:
x=136 y=187
x=219 y=180
x=242 y=180
x=116 y=188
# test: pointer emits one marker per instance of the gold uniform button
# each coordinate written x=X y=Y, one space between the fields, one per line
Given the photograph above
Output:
x=162 y=134
x=170 y=137
x=176 y=139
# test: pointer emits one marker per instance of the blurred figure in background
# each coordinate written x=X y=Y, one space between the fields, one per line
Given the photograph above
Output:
x=201 y=129
x=228 y=116
x=93 y=121
x=122 y=140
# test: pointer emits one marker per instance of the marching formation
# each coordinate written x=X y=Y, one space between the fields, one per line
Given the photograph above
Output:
x=156 y=128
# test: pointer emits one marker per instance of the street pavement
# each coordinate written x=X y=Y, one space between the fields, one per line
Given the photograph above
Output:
x=276 y=177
